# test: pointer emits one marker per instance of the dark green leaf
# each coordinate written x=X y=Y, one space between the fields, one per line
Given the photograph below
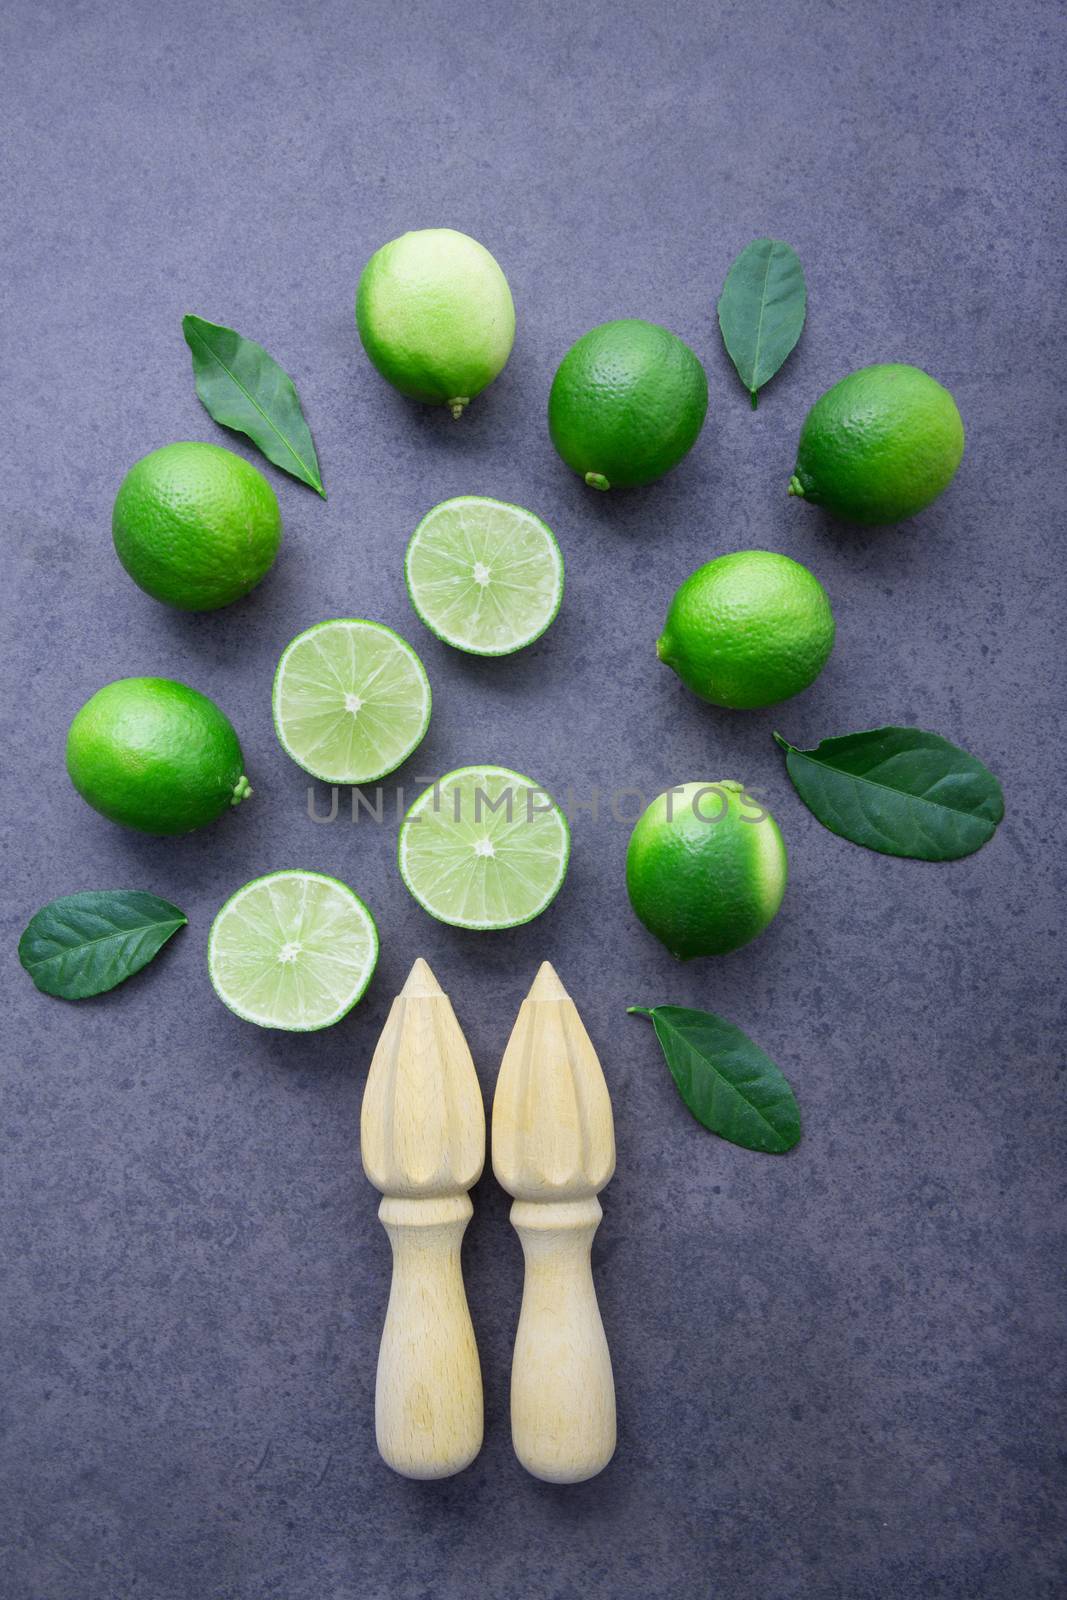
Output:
x=761 y=310
x=83 y=944
x=244 y=388
x=726 y=1081
x=898 y=790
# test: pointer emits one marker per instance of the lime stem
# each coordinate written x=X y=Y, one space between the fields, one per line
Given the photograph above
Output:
x=796 y=487
x=242 y=790
x=457 y=404
x=597 y=480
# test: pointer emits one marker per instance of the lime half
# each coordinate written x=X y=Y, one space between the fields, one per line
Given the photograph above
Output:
x=484 y=576
x=351 y=701
x=484 y=847
x=292 y=950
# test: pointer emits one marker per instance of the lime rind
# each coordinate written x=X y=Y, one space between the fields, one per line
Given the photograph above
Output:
x=436 y=317
x=196 y=526
x=273 y=954
x=627 y=404
x=484 y=576
x=351 y=700
x=446 y=866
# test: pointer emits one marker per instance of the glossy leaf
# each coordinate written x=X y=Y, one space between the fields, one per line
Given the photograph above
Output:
x=901 y=791
x=761 y=310
x=727 y=1082
x=244 y=388
x=84 y=944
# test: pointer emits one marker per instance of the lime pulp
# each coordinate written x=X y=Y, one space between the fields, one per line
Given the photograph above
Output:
x=484 y=848
x=293 y=950
x=351 y=700
x=484 y=576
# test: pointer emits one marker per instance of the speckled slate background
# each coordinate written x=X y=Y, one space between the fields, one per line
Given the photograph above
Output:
x=839 y=1373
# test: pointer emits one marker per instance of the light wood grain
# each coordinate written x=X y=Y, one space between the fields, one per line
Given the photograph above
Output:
x=554 y=1149
x=422 y=1137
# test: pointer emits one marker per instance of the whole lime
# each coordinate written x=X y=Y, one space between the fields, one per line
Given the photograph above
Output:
x=706 y=868
x=435 y=315
x=748 y=630
x=155 y=755
x=626 y=404
x=879 y=446
x=196 y=526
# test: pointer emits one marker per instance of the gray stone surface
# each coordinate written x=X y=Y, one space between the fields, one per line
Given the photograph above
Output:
x=839 y=1373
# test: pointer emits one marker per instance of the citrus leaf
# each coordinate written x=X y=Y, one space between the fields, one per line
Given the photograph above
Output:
x=901 y=791
x=244 y=388
x=761 y=310
x=727 y=1082
x=84 y=944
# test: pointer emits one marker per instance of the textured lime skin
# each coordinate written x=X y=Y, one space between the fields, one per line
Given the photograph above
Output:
x=748 y=630
x=196 y=526
x=435 y=315
x=155 y=755
x=626 y=404
x=879 y=446
x=705 y=887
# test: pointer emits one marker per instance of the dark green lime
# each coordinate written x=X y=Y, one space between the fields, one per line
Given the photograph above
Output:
x=627 y=404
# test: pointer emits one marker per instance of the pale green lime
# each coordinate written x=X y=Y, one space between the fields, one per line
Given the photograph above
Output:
x=351 y=700
x=484 y=576
x=484 y=847
x=293 y=950
x=435 y=315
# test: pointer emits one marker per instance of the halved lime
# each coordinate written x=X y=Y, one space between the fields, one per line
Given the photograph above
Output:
x=292 y=950
x=484 y=576
x=351 y=700
x=484 y=847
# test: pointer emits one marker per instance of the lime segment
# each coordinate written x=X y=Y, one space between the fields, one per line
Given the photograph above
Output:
x=293 y=950
x=484 y=576
x=483 y=848
x=351 y=701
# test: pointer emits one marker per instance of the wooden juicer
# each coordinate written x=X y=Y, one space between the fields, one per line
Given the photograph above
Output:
x=422 y=1136
x=554 y=1150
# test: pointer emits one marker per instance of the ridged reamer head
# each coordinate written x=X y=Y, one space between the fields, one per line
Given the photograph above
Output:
x=553 y=1135
x=422 y=1130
